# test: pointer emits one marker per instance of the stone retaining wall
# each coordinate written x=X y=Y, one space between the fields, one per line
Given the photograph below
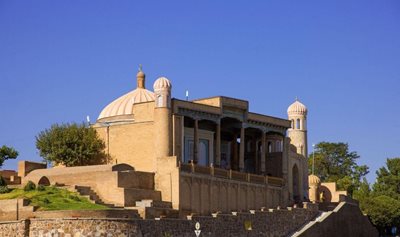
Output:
x=268 y=223
x=14 y=228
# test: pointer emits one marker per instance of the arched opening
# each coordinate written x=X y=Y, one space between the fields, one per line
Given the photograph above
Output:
x=44 y=181
x=298 y=124
x=296 y=184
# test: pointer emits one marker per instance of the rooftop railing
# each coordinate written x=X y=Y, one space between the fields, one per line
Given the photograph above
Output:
x=231 y=174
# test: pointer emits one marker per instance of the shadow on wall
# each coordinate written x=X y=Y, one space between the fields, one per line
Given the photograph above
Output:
x=325 y=193
x=44 y=181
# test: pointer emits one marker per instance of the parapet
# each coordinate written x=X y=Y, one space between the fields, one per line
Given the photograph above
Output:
x=25 y=167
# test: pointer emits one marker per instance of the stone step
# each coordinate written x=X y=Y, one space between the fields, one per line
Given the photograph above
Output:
x=91 y=195
x=134 y=194
x=153 y=203
x=156 y=212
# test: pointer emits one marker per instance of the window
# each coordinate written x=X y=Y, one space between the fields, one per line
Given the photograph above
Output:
x=298 y=123
x=189 y=155
x=159 y=101
x=204 y=152
x=269 y=147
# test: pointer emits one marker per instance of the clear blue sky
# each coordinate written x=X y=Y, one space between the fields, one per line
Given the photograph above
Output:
x=63 y=60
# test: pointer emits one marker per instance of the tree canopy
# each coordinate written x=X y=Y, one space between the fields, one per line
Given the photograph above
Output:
x=382 y=202
x=71 y=145
x=7 y=153
x=335 y=163
x=388 y=179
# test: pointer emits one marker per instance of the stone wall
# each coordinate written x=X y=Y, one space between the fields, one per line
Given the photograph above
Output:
x=14 y=228
x=267 y=223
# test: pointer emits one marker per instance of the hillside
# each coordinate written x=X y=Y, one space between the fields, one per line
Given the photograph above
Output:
x=53 y=198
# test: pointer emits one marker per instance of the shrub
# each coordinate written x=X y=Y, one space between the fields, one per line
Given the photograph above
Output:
x=46 y=201
x=75 y=198
x=40 y=187
x=29 y=186
x=4 y=189
x=2 y=182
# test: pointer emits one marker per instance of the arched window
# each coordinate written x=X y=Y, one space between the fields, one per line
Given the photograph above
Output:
x=298 y=124
x=279 y=146
x=159 y=101
x=269 y=147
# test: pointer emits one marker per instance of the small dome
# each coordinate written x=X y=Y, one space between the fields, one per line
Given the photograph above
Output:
x=162 y=83
x=313 y=180
x=297 y=108
x=140 y=74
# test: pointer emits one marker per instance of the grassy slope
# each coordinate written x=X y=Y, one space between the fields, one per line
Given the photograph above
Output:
x=53 y=198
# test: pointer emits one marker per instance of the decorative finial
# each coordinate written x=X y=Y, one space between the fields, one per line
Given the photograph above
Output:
x=297 y=99
x=140 y=67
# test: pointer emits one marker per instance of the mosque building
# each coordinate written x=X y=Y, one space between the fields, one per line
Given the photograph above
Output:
x=209 y=154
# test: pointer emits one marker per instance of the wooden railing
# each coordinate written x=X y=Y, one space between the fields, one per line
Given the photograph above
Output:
x=231 y=174
x=275 y=181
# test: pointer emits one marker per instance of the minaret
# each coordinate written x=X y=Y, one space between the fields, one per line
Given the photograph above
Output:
x=297 y=114
x=140 y=78
x=162 y=118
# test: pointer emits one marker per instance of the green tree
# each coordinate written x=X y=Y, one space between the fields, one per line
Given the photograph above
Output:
x=383 y=211
x=335 y=163
x=7 y=153
x=71 y=145
x=382 y=203
x=388 y=179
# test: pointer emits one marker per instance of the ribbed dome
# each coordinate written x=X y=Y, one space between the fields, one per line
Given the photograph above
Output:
x=162 y=83
x=124 y=104
x=313 y=180
x=297 y=108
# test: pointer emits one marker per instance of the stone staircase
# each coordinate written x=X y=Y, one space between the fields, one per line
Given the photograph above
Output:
x=322 y=215
x=147 y=208
x=150 y=209
x=91 y=195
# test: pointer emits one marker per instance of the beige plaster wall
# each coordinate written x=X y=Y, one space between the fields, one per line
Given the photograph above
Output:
x=24 y=167
x=109 y=185
x=143 y=112
x=15 y=209
x=205 y=194
x=215 y=101
x=167 y=180
x=131 y=143
x=330 y=192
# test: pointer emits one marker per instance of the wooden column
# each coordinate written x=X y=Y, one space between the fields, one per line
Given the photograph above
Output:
x=241 y=152
x=196 y=141
x=263 y=150
x=255 y=150
x=235 y=161
x=218 y=145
